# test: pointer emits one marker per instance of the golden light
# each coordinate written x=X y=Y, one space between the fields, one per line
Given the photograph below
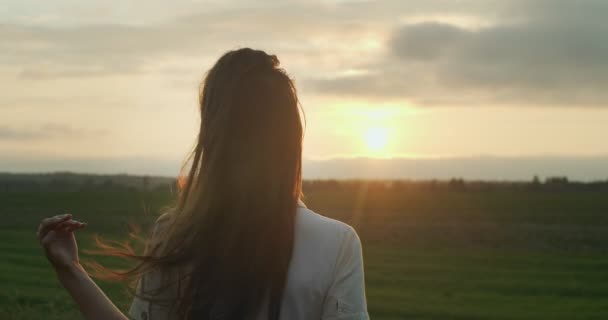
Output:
x=376 y=139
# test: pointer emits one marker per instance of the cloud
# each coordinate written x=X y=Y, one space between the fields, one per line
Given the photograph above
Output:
x=47 y=51
x=547 y=57
x=99 y=41
x=427 y=41
x=45 y=132
x=440 y=52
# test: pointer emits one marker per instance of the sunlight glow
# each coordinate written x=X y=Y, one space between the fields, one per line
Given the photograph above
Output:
x=376 y=138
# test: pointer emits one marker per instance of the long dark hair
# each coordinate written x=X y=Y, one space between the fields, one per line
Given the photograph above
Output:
x=233 y=225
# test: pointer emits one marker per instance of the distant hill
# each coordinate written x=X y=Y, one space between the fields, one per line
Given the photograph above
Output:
x=522 y=168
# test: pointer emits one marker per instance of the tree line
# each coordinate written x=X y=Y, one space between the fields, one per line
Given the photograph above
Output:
x=66 y=181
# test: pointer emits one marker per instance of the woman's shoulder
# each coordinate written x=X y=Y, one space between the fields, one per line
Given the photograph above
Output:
x=165 y=218
x=312 y=220
x=159 y=231
x=333 y=235
x=323 y=248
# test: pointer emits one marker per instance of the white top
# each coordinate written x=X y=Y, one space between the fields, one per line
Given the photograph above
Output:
x=325 y=278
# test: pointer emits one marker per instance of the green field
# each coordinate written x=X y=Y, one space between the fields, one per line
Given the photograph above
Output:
x=429 y=254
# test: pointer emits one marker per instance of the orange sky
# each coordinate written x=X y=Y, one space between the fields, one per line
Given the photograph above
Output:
x=390 y=79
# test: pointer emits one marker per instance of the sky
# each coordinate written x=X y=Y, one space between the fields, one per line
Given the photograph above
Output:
x=423 y=88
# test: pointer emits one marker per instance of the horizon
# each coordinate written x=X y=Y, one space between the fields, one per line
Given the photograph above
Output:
x=428 y=89
x=482 y=168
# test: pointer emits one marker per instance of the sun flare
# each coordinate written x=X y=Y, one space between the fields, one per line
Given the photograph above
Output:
x=376 y=139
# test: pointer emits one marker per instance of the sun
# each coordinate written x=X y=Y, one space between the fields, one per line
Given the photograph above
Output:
x=376 y=139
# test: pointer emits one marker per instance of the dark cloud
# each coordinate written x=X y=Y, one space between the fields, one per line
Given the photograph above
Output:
x=427 y=41
x=45 y=132
x=547 y=57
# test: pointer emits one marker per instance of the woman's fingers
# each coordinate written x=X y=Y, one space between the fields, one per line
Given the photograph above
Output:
x=70 y=222
x=49 y=223
x=47 y=238
x=72 y=228
x=69 y=226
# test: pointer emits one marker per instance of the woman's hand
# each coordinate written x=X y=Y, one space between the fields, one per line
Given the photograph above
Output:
x=56 y=235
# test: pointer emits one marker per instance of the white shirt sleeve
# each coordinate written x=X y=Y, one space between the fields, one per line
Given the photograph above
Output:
x=345 y=298
x=139 y=308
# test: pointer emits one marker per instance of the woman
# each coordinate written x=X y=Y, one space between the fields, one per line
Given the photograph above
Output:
x=239 y=244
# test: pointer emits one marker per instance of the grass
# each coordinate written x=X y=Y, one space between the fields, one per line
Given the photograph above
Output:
x=485 y=285
x=428 y=254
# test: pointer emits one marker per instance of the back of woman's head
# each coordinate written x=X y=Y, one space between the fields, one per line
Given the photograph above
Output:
x=250 y=132
x=234 y=222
